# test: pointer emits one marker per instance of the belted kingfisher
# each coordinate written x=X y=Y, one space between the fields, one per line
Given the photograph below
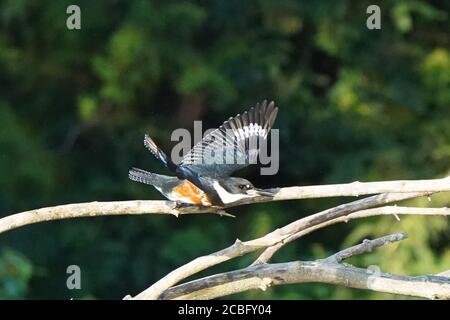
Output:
x=203 y=176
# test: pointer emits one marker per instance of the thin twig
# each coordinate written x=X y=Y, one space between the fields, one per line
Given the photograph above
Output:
x=365 y=246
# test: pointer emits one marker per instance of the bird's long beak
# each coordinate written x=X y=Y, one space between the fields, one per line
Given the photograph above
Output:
x=263 y=192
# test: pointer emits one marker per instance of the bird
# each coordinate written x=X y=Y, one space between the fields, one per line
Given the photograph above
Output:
x=203 y=177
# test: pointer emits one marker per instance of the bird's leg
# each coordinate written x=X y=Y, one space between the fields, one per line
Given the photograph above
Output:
x=180 y=205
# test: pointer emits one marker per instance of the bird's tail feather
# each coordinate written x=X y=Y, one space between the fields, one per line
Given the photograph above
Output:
x=143 y=176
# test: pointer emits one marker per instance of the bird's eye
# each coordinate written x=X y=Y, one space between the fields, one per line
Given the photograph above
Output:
x=242 y=186
x=248 y=186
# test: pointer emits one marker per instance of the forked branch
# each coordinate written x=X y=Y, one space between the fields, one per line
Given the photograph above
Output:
x=273 y=239
x=386 y=192
x=321 y=271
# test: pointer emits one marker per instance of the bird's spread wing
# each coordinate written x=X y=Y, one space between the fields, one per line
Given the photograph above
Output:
x=234 y=145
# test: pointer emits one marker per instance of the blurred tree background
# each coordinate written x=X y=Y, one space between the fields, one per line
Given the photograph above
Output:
x=355 y=104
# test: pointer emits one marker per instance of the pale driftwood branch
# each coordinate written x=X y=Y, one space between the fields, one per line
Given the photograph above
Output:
x=321 y=271
x=386 y=210
x=394 y=191
x=265 y=275
x=355 y=189
x=92 y=209
x=278 y=236
x=96 y=209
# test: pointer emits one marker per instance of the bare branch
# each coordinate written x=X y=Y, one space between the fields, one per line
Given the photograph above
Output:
x=397 y=210
x=398 y=190
x=265 y=275
x=386 y=210
x=273 y=238
x=365 y=246
x=321 y=271
x=354 y=189
x=92 y=209
x=95 y=209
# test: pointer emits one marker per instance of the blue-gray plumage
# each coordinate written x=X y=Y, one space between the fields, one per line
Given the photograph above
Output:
x=203 y=176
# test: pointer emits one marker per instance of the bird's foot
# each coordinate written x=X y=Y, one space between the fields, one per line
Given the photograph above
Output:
x=180 y=205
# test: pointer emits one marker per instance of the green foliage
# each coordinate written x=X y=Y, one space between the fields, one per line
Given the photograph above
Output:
x=15 y=273
x=355 y=104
